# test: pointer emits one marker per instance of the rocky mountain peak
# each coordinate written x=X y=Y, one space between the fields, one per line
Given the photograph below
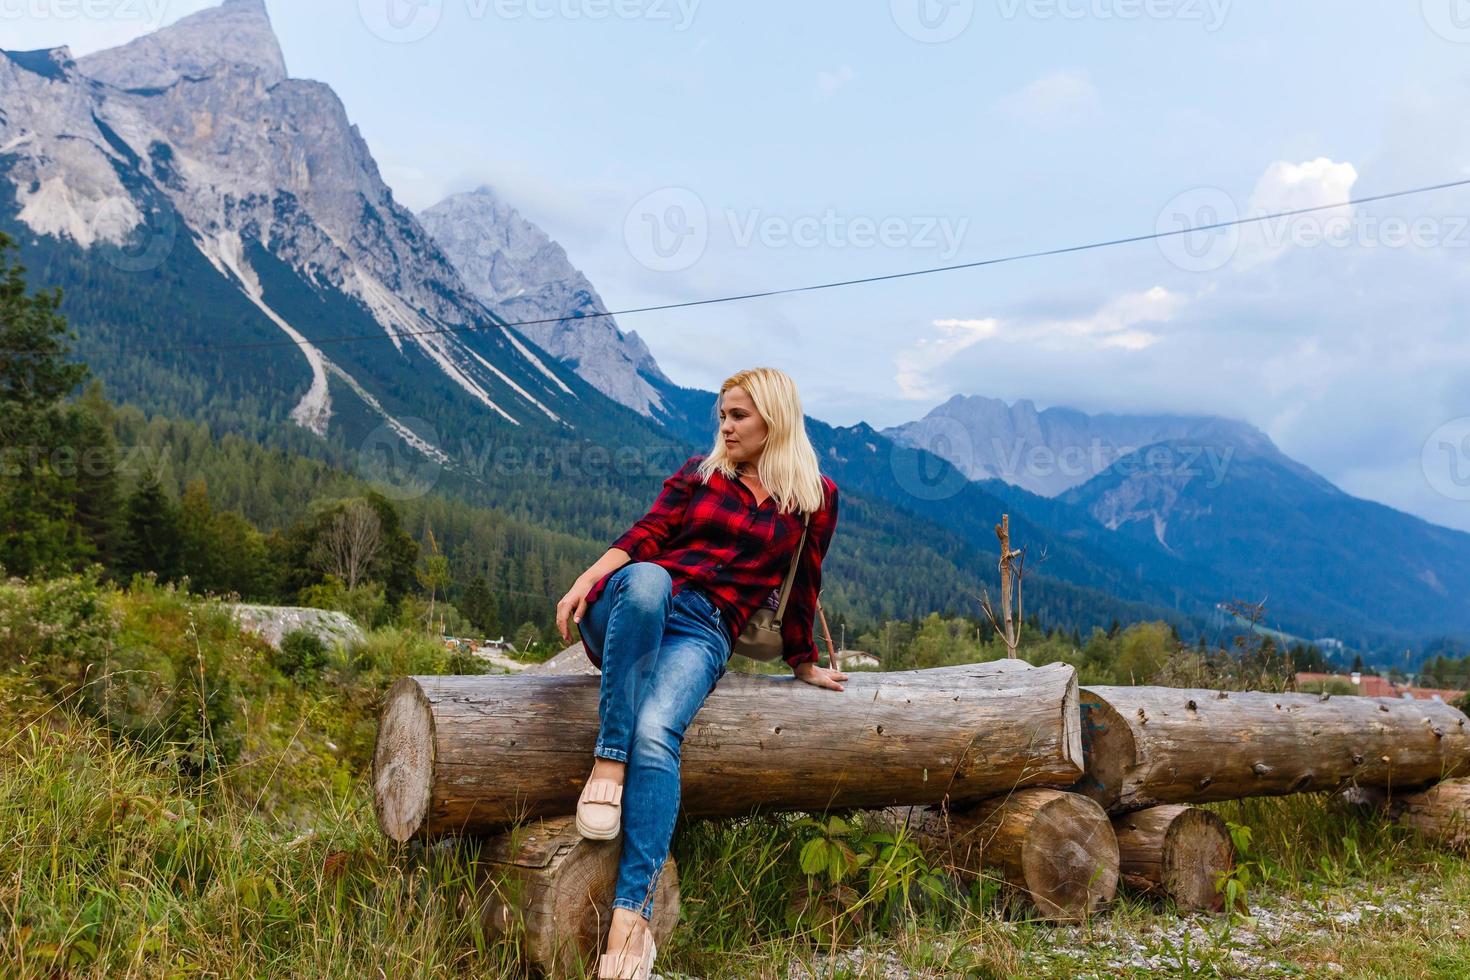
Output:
x=46 y=62
x=235 y=36
x=1052 y=450
x=526 y=277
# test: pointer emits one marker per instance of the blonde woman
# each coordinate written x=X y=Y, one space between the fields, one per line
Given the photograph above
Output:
x=660 y=611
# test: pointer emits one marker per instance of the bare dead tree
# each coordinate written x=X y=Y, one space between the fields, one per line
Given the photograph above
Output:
x=350 y=543
x=433 y=574
x=1267 y=663
x=1007 y=624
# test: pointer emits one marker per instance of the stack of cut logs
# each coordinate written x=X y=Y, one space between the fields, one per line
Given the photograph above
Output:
x=997 y=768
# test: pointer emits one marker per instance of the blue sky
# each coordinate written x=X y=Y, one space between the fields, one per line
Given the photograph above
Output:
x=772 y=145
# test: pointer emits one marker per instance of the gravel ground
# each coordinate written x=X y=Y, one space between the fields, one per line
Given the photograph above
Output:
x=1196 y=944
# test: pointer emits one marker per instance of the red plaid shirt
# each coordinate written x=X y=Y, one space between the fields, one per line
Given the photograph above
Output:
x=714 y=537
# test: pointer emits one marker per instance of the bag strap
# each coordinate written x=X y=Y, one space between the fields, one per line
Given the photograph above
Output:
x=791 y=572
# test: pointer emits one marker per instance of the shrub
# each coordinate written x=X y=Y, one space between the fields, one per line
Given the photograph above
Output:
x=302 y=654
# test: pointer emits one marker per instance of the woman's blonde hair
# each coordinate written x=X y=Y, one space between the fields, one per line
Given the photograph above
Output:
x=788 y=464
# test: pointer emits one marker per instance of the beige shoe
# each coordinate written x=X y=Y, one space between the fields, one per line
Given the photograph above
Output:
x=600 y=809
x=624 y=965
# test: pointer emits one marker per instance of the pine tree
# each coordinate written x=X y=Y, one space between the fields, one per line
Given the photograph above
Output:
x=479 y=606
x=98 y=498
x=150 y=532
x=38 y=531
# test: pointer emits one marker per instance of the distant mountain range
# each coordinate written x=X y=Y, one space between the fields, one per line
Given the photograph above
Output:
x=229 y=251
x=1216 y=494
x=1053 y=450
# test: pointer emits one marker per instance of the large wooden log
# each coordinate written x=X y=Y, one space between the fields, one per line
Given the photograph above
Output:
x=1175 y=851
x=474 y=754
x=1440 y=813
x=552 y=891
x=1152 y=745
x=1055 y=848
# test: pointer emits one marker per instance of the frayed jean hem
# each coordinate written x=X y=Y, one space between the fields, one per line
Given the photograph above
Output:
x=645 y=910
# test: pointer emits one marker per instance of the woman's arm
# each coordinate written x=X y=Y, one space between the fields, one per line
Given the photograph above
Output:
x=797 y=626
x=653 y=532
x=573 y=605
x=649 y=535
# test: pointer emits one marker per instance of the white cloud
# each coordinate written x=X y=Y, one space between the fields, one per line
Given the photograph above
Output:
x=1289 y=186
x=1061 y=97
x=916 y=365
x=1116 y=324
x=829 y=82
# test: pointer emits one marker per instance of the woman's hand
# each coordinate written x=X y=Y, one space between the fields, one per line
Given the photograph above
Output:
x=572 y=606
x=820 y=676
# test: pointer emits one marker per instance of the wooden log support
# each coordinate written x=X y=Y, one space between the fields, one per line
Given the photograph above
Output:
x=1055 y=848
x=552 y=891
x=1175 y=851
x=1440 y=813
x=460 y=755
x=1151 y=745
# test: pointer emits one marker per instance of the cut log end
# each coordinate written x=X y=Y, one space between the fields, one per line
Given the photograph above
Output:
x=1109 y=747
x=552 y=891
x=1198 y=849
x=1069 y=857
x=1175 y=851
x=403 y=762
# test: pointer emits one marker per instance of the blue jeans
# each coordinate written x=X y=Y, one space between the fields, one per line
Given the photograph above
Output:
x=661 y=656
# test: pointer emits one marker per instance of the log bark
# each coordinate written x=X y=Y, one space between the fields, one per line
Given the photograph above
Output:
x=1151 y=745
x=1440 y=813
x=552 y=891
x=1175 y=851
x=468 y=755
x=1055 y=848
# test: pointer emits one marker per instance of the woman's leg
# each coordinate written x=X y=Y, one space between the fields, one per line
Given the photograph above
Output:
x=626 y=624
x=690 y=662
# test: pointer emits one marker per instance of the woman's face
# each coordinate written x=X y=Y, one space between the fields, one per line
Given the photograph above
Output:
x=741 y=426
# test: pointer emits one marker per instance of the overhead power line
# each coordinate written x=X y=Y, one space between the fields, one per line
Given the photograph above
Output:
x=837 y=284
